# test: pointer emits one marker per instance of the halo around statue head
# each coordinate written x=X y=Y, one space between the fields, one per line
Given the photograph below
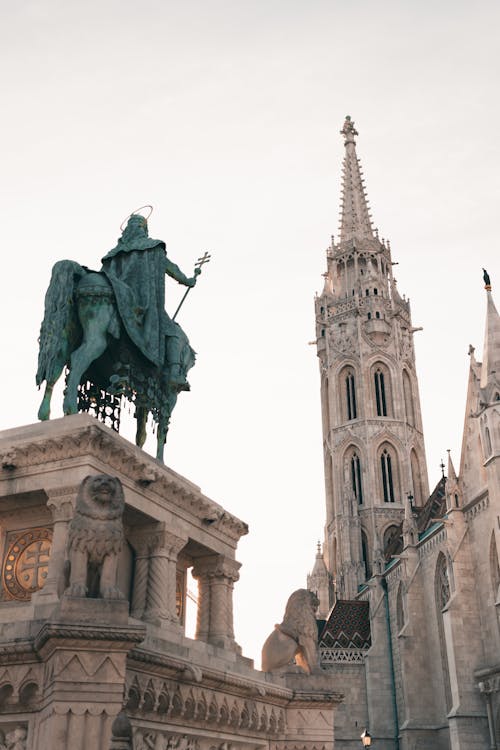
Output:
x=136 y=213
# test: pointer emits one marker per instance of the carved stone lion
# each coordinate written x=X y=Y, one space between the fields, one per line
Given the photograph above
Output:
x=96 y=537
x=296 y=637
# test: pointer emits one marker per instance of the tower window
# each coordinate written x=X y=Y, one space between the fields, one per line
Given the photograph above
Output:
x=377 y=314
x=380 y=394
x=356 y=477
x=367 y=292
x=387 y=480
x=350 y=389
x=375 y=291
x=369 y=316
x=322 y=331
x=364 y=552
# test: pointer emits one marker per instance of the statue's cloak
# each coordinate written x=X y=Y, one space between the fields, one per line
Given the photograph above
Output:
x=136 y=271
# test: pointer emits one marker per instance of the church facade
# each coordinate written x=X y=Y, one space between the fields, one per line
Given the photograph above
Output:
x=408 y=581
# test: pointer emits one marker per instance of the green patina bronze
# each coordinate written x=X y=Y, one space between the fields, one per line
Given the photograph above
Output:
x=110 y=329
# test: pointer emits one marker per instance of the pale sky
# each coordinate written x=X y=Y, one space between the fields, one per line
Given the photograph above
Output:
x=225 y=115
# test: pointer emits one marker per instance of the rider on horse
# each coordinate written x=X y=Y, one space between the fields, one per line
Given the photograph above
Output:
x=136 y=270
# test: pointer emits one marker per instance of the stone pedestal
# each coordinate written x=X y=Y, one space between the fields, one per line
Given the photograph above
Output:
x=69 y=665
x=84 y=649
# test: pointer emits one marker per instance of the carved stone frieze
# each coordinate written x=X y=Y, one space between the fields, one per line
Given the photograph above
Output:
x=98 y=441
x=154 y=698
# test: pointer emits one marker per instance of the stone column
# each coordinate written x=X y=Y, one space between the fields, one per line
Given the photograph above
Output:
x=61 y=503
x=216 y=576
x=141 y=545
x=486 y=689
x=160 y=598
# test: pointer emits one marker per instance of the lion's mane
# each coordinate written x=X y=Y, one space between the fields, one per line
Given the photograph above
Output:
x=296 y=637
x=299 y=620
x=96 y=527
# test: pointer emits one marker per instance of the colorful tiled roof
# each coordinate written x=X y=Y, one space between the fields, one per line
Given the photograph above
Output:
x=348 y=626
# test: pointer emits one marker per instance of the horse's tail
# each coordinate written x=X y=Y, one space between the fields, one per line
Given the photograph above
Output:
x=60 y=329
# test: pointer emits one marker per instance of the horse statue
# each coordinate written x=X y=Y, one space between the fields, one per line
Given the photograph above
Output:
x=110 y=330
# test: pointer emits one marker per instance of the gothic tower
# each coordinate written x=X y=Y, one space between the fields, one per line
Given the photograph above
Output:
x=372 y=427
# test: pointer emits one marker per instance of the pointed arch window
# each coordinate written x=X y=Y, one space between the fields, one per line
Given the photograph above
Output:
x=392 y=537
x=356 y=477
x=400 y=608
x=364 y=552
x=408 y=396
x=387 y=476
x=488 y=440
x=416 y=478
x=443 y=588
x=350 y=394
x=494 y=569
x=380 y=393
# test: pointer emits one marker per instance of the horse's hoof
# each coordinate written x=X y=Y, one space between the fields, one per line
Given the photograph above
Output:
x=43 y=414
x=69 y=408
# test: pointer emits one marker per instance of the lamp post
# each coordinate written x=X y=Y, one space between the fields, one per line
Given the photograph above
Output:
x=366 y=738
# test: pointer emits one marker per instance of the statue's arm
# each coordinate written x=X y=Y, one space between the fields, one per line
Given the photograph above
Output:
x=171 y=269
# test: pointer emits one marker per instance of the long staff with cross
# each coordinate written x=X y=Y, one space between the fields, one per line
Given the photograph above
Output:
x=197 y=270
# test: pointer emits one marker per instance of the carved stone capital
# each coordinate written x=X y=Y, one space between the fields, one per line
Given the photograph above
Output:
x=61 y=502
x=217 y=566
x=165 y=542
x=140 y=539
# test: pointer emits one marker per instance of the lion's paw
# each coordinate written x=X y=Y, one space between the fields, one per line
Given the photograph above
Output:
x=112 y=592
x=76 y=589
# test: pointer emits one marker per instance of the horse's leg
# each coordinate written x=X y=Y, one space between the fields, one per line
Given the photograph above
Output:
x=95 y=325
x=141 y=415
x=44 y=410
x=162 y=439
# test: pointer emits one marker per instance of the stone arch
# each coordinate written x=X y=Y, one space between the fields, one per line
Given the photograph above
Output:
x=381 y=386
x=389 y=473
x=389 y=535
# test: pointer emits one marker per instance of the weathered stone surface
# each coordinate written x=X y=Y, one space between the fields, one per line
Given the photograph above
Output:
x=296 y=637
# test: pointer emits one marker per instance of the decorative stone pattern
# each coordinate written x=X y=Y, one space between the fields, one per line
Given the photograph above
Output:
x=26 y=562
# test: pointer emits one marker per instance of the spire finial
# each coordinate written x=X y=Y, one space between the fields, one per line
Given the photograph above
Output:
x=318 y=548
x=348 y=130
x=487 y=280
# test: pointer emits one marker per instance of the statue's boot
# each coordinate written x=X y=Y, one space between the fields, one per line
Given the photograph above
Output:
x=177 y=379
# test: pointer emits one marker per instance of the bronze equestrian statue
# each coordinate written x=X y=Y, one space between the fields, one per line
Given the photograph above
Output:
x=110 y=329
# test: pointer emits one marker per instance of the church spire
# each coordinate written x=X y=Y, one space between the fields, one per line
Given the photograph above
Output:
x=490 y=369
x=355 y=222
